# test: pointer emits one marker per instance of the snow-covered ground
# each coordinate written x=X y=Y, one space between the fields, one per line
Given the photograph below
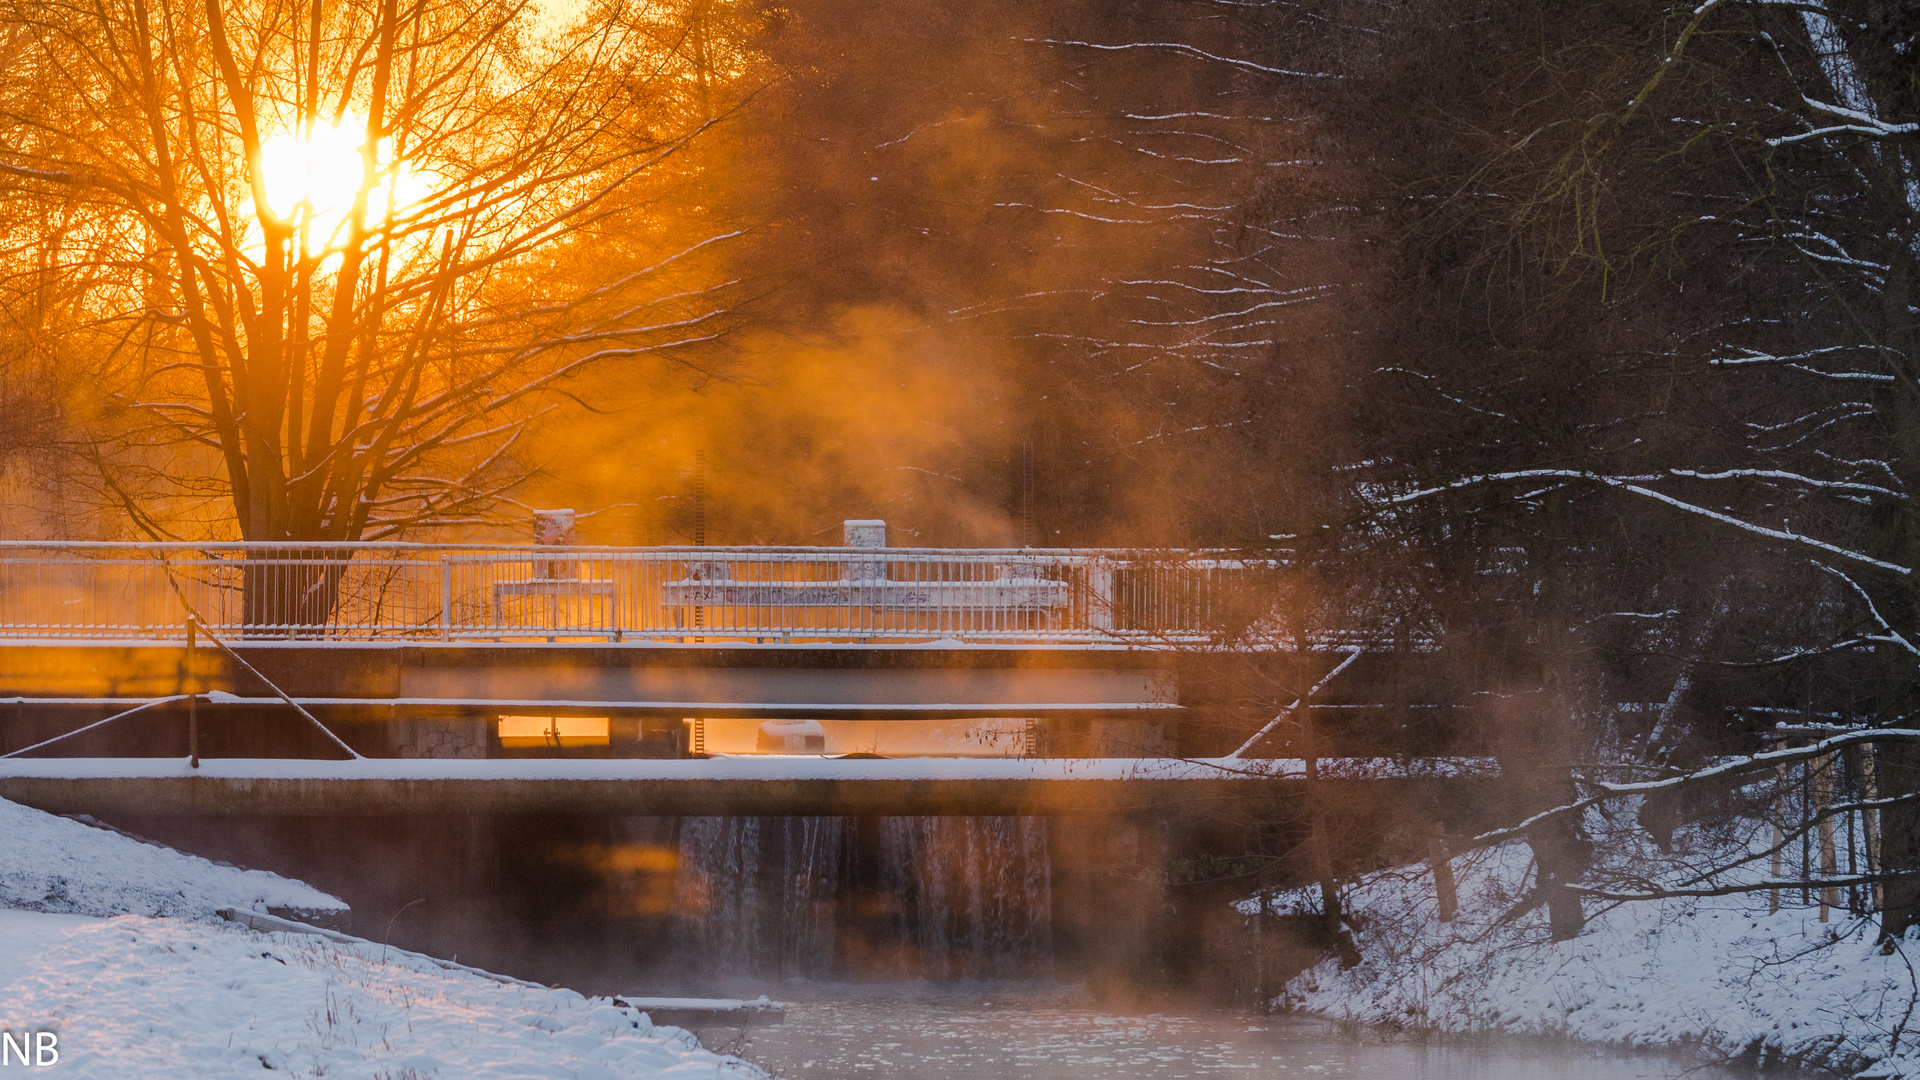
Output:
x=1718 y=975
x=113 y=945
x=54 y=864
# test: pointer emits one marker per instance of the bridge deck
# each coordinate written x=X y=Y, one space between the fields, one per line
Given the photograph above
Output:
x=759 y=785
x=842 y=680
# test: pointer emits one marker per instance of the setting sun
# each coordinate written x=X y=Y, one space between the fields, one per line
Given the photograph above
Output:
x=316 y=175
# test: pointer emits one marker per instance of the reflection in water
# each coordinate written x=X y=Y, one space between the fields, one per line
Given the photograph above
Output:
x=955 y=1037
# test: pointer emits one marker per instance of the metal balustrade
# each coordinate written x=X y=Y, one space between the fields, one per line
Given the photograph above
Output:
x=517 y=593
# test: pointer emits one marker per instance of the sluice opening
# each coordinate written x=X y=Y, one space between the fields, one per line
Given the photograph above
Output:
x=936 y=898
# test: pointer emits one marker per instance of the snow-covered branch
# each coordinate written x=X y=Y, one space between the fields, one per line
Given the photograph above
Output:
x=1186 y=50
x=1636 y=485
x=1733 y=769
x=1733 y=889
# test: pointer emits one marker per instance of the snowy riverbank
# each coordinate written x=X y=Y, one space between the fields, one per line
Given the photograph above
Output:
x=113 y=945
x=54 y=864
x=1717 y=975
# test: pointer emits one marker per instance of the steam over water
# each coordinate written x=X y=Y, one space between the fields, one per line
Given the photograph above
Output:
x=912 y=1033
x=939 y=898
x=922 y=947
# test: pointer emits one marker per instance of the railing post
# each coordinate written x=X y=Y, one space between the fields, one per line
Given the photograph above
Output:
x=193 y=702
x=446 y=598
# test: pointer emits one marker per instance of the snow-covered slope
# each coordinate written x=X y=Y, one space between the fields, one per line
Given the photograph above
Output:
x=153 y=999
x=189 y=995
x=53 y=864
x=1719 y=974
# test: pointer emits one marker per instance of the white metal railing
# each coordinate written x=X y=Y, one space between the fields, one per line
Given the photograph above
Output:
x=473 y=592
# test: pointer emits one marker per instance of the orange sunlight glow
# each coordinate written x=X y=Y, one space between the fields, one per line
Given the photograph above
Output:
x=526 y=732
x=312 y=177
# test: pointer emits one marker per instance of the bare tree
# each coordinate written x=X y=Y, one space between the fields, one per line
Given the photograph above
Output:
x=1678 y=393
x=341 y=256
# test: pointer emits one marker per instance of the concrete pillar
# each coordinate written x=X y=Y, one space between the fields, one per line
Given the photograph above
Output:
x=555 y=528
x=865 y=533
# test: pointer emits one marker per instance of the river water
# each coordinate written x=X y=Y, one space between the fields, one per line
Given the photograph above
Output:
x=966 y=905
x=1009 y=1036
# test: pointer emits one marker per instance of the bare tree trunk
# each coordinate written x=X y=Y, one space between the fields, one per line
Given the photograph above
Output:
x=1260 y=952
x=1321 y=852
x=1820 y=781
x=1443 y=885
x=1560 y=846
x=1899 y=840
x=1894 y=536
x=1894 y=706
x=1779 y=834
x=1867 y=788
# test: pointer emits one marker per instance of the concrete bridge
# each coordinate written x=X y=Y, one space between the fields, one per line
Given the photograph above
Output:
x=414 y=652
x=1104 y=729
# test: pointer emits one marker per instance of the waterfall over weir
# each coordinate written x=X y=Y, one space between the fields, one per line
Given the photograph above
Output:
x=756 y=896
x=939 y=898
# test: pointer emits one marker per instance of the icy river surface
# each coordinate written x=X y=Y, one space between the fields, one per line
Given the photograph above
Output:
x=961 y=1037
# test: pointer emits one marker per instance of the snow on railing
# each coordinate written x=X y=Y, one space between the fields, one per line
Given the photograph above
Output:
x=144 y=591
